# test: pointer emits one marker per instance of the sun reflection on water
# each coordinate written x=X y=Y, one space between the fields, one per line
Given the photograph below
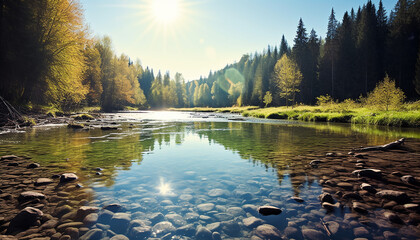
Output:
x=164 y=188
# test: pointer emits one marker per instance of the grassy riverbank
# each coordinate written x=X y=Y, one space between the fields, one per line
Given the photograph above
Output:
x=408 y=116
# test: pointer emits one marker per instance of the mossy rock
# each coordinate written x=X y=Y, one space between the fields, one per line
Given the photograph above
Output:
x=84 y=117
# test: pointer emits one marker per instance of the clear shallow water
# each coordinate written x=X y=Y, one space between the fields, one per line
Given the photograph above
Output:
x=172 y=163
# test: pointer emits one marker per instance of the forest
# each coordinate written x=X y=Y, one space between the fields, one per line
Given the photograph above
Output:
x=49 y=58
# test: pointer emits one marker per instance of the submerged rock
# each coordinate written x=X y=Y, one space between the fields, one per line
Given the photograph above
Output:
x=312 y=234
x=400 y=197
x=370 y=173
x=43 y=181
x=163 y=228
x=409 y=179
x=203 y=234
x=269 y=210
x=252 y=222
x=367 y=187
x=33 y=165
x=26 y=218
x=30 y=195
x=267 y=231
x=68 y=177
x=326 y=197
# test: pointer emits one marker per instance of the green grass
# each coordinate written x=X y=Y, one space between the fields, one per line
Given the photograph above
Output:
x=409 y=116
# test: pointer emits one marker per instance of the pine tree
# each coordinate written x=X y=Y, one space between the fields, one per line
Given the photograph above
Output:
x=284 y=47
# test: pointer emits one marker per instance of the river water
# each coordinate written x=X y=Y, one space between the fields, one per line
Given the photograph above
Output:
x=178 y=170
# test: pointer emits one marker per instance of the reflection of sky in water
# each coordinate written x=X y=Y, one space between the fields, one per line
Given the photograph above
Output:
x=175 y=161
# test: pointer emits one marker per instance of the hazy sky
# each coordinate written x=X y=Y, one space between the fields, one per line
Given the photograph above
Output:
x=195 y=36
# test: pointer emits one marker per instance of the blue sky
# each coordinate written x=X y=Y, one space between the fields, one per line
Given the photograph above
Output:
x=207 y=34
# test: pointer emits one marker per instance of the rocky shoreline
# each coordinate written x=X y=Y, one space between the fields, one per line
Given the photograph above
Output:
x=367 y=195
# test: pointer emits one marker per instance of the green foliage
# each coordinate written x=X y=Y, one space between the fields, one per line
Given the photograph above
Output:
x=83 y=116
x=386 y=96
x=268 y=98
x=288 y=77
x=324 y=100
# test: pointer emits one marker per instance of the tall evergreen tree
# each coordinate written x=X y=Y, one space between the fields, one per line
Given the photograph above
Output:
x=284 y=47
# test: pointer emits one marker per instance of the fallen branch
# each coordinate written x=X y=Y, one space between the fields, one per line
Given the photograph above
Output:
x=392 y=145
x=326 y=227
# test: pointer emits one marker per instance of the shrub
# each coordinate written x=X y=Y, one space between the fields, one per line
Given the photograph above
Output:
x=386 y=95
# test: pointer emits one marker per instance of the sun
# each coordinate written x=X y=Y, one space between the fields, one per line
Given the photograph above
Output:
x=165 y=11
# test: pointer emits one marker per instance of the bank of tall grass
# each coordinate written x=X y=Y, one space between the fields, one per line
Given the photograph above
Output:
x=407 y=116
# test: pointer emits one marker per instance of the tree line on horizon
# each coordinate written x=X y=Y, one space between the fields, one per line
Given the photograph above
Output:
x=48 y=58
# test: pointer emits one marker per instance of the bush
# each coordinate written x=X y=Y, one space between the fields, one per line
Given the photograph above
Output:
x=386 y=96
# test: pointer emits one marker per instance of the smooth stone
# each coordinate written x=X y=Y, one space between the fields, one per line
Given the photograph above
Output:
x=218 y=193
x=119 y=237
x=156 y=217
x=205 y=218
x=297 y=199
x=315 y=162
x=267 y=231
x=114 y=207
x=392 y=217
x=62 y=210
x=186 y=197
x=333 y=226
x=216 y=236
x=367 y=187
x=360 y=207
x=69 y=224
x=213 y=226
x=292 y=232
x=13 y=164
x=175 y=219
x=105 y=216
x=409 y=179
x=163 y=228
x=30 y=195
x=72 y=232
x=400 y=197
x=370 y=173
x=312 y=234
x=90 y=219
x=269 y=210
x=352 y=195
x=8 y=157
x=252 y=222
x=411 y=206
x=188 y=229
x=345 y=185
x=231 y=228
x=33 y=165
x=52 y=223
x=235 y=211
x=326 y=197
x=93 y=234
x=140 y=233
x=68 y=177
x=203 y=233
x=360 y=232
x=43 y=181
x=83 y=211
x=390 y=235
x=26 y=218
x=119 y=222
x=390 y=204
x=205 y=207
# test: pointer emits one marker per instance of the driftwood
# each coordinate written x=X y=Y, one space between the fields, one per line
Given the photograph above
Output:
x=8 y=114
x=392 y=145
x=326 y=228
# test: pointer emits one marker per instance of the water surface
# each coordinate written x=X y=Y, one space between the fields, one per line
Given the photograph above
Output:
x=172 y=163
